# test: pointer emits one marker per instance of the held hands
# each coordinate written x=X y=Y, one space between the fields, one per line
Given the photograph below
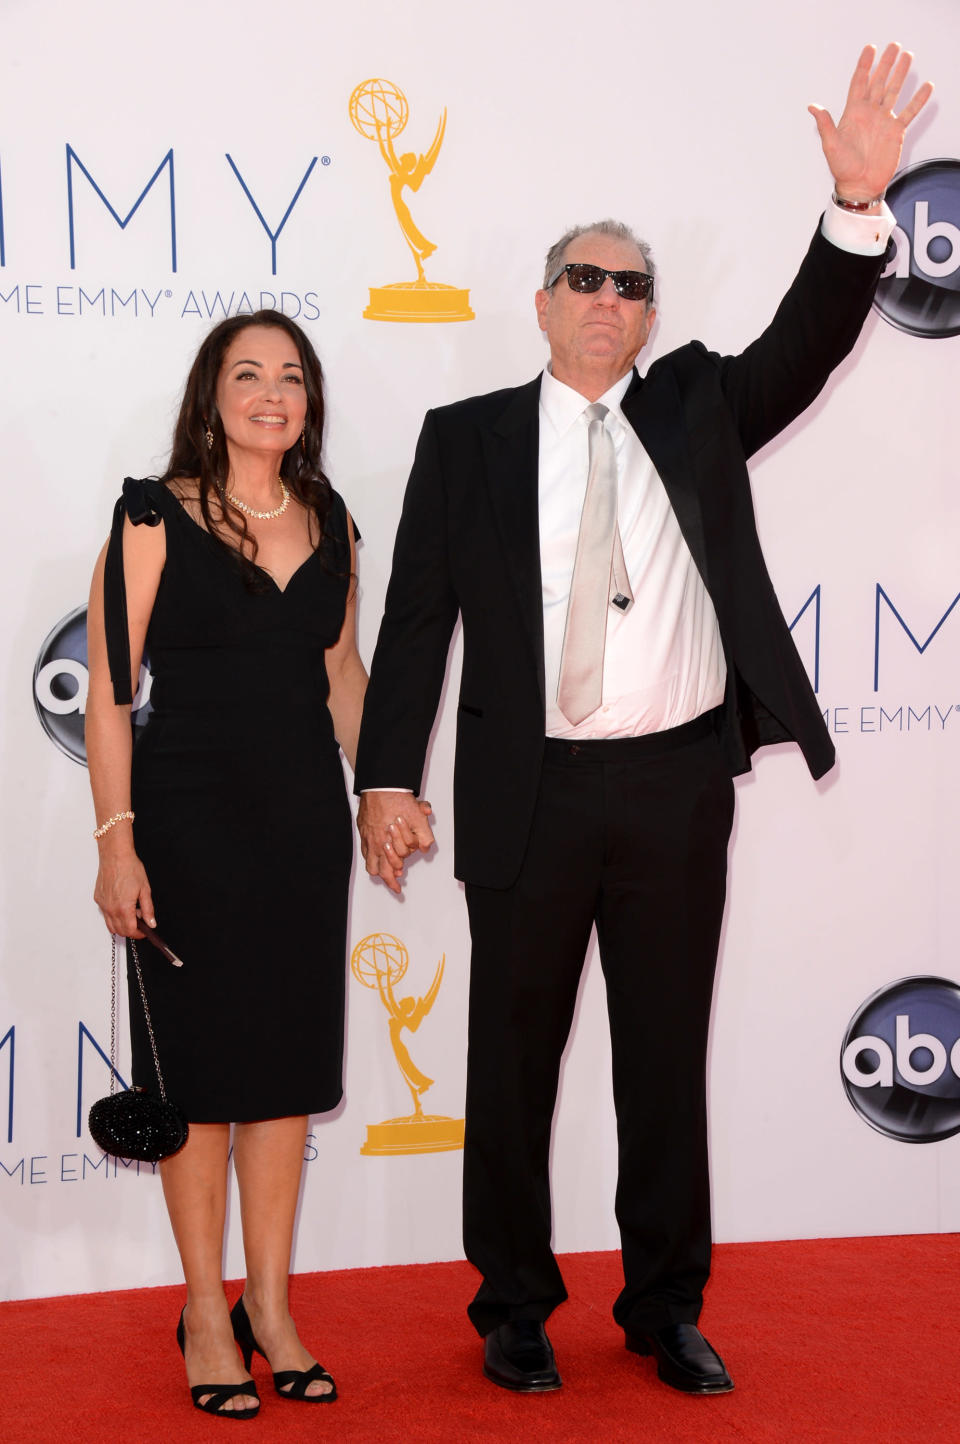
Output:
x=122 y=892
x=392 y=825
x=863 y=150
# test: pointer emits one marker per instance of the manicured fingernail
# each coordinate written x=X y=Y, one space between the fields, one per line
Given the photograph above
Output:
x=151 y=922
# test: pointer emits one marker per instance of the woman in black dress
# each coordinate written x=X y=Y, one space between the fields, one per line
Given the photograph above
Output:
x=227 y=821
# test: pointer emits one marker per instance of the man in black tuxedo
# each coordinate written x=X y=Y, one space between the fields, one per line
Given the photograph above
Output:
x=593 y=775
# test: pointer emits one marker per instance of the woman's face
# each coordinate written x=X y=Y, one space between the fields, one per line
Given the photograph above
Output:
x=260 y=392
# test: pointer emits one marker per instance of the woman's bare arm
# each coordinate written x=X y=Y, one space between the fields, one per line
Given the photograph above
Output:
x=345 y=671
x=122 y=884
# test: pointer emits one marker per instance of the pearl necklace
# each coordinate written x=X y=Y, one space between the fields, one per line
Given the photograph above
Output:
x=260 y=515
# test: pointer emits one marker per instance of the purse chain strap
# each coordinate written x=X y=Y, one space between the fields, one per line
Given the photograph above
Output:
x=146 y=1014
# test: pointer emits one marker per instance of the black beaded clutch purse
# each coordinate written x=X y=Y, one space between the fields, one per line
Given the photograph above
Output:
x=134 y=1123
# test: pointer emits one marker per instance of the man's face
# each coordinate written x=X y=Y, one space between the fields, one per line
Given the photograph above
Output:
x=600 y=333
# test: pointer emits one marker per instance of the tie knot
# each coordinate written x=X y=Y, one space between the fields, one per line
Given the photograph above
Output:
x=596 y=411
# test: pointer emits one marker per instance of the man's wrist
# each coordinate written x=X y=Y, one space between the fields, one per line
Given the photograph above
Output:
x=860 y=205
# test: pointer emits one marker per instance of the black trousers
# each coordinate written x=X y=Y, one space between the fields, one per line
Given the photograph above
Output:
x=630 y=836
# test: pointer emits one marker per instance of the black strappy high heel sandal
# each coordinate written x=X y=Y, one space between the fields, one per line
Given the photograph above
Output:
x=289 y=1383
x=219 y=1393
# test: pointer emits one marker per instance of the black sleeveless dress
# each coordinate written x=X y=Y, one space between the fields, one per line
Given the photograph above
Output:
x=242 y=822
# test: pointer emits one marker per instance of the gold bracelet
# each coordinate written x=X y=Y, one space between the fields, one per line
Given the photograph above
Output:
x=112 y=822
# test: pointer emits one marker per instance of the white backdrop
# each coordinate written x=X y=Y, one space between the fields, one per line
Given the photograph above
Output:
x=690 y=123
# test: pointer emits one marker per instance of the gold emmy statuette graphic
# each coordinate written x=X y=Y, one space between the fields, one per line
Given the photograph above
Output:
x=380 y=961
x=379 y=111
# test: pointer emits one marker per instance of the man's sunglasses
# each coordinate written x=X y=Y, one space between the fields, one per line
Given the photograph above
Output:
x=584 y=277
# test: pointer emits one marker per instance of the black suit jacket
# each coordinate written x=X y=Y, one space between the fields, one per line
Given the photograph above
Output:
x=468 y=543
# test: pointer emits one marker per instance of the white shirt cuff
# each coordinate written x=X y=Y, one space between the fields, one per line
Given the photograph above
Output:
x=862 y=235
x=406 y=790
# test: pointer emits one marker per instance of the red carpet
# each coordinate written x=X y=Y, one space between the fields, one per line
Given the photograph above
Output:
x=848 y=1340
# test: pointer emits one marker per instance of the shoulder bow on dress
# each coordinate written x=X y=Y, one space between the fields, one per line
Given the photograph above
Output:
x=139 y=502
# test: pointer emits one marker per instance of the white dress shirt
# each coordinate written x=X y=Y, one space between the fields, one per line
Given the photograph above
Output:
x=663 y=662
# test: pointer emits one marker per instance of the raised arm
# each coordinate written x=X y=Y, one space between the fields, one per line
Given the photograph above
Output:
x=863 y=148
x=817 y=324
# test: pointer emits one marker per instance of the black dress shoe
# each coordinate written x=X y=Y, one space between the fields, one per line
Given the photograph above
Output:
x=684 y=1359
x=518 y=1355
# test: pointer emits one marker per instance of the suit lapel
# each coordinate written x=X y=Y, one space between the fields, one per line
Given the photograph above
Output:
x=654 y=410
x=511 y=446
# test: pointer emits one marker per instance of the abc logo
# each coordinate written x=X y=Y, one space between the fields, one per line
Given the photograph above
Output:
x=60 y=686
x=901 y=1060
x=919 y=291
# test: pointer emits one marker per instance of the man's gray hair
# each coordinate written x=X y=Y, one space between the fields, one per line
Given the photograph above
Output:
x=615 y=229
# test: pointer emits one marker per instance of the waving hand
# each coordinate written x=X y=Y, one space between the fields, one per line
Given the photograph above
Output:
x=863 y=149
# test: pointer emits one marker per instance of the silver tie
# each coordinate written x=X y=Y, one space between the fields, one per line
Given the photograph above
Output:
x=599 y=578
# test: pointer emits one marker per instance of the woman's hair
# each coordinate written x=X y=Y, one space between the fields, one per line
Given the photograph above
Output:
x=191 y=457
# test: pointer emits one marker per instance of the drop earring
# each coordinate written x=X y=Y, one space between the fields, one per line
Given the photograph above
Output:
x=208 y=437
